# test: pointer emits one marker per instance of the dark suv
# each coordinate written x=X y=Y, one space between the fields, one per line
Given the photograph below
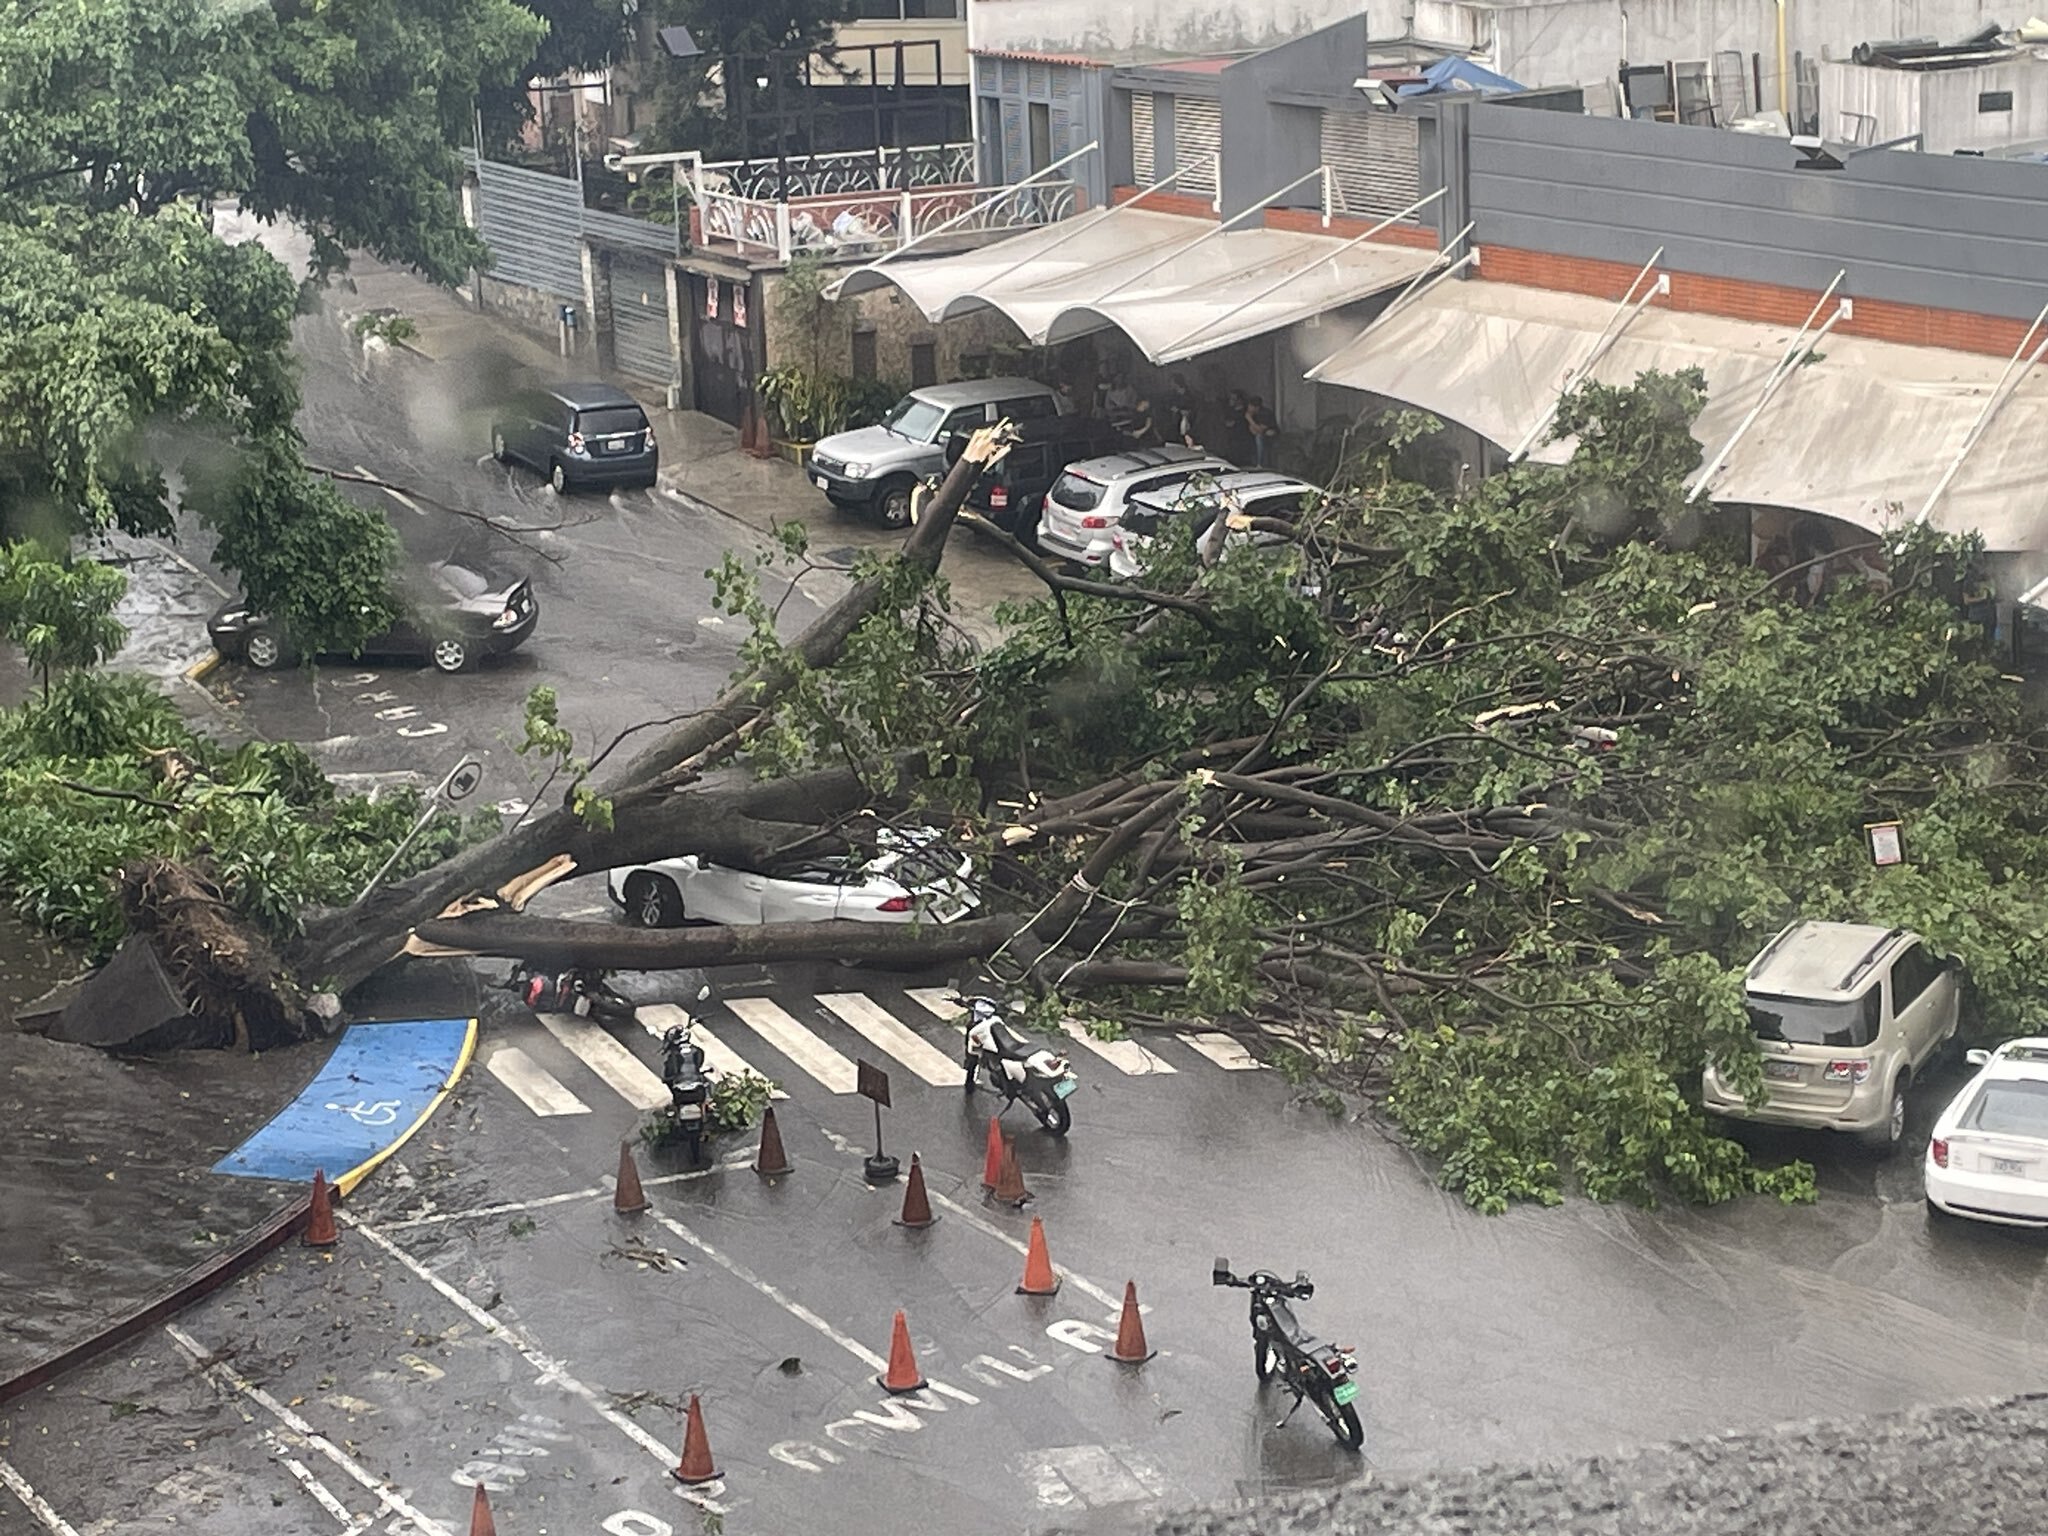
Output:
x=1011 y=492
x=578 y=435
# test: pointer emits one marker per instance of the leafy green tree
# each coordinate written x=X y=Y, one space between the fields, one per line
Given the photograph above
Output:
x=60 y=612
x=697 y=107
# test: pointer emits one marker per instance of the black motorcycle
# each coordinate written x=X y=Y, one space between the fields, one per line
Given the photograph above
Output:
x=1323 y=1374
x=689 y=1088
x=584 y=993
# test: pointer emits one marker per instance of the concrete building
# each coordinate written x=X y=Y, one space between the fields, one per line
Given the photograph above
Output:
x=1985 y=107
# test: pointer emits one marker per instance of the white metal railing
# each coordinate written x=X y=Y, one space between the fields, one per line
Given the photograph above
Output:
x=878 y=222
x=844 y=171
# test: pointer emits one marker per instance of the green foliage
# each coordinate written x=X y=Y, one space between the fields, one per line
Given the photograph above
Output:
x=695 y=109
x=1220 y=921
x=60 y=612
x=737 y=1099
x=387 y=328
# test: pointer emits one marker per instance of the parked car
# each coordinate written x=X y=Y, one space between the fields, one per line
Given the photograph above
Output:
x=1011 y=492
x=1085 y=505
x=874 y=469
x=1847 y=1015
x=449 y=614
x=913 y=878
x=1988 y=1157
x=578 y=435
x=1253 y=492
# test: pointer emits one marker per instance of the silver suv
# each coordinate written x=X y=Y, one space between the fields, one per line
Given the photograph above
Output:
x=1252 y=492
x=1086 y=503
x=1846 y=1015
x=874 y=469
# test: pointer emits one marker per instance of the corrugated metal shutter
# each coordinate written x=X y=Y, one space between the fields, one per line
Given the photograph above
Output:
x=633 y=234
x=1038 y=82
x=640 y=333
x=1197 y=141
x=533 y=224
x=1016 y=153
x=1372 y=158
x=986 y=78
x=1141 y=138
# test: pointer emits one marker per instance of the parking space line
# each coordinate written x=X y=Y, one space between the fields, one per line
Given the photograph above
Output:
x=322 y=1495
x=535 y=1088
x=880 y=1027
x=590 y=1043
x=1222 y=1049
x=658 y=1018
x=1080 y=1283
x=34 y=1502
x=230 y=1382
x=768 y=1021
x=548 y=1368
x=509 y=1208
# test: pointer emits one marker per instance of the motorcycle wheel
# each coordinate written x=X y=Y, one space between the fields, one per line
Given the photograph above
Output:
x=1341 y=1417
x=1054 y=1115
x=1262 y=1359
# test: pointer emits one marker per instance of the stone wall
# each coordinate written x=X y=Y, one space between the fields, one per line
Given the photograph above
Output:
x=535 y=313
x=822 y=335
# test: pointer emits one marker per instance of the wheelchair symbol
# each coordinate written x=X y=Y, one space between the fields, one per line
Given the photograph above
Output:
x=383 y=1112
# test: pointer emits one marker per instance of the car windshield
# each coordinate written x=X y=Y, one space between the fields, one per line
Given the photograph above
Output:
x=2010 y=1108
x=609 y=423
x=915 y=419
x=1077 y=492
x=1804 y=1021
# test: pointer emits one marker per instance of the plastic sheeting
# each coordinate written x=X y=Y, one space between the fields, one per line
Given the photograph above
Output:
x=1199 y=294
x=380 y=1084
x=1862 y=433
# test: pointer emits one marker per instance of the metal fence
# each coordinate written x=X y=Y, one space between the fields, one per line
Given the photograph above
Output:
x=535 y=225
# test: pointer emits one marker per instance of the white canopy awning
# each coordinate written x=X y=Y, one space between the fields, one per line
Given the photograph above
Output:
x=1177 y=286
x=1863 y=432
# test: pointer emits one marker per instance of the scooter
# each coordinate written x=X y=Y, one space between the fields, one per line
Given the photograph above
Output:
x=683 y=1069
x=1043 y=1079
x=1312 y=1370
x=584 y=993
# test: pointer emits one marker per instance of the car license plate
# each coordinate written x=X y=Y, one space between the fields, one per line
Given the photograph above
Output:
x=690 y=1112
x=618 y=445
x=2011 y=1165
x=1064 y=1088
x=1345 y=1392
x=821 y=482
x=1783 y=1071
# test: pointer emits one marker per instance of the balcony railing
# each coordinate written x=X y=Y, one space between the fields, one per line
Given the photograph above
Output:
x=856 y=170
x=873 y=222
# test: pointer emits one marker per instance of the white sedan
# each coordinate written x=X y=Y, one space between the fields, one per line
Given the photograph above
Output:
x=1988 y=1159
x=913 y=879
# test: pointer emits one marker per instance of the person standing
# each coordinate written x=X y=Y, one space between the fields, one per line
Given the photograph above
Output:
x=1235 y=442
x=1265 y=433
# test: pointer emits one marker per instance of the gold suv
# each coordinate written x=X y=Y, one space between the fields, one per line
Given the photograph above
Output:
x=1846 y=1015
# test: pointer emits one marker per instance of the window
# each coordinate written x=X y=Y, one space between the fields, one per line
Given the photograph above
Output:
x=864 y=362
x=1041 y=136
x=1912 y=973
x=1801 y=1021
x=1994 y=101
x=906 y=10
x=966 y=419
x=1030 y=408
x=924 y=364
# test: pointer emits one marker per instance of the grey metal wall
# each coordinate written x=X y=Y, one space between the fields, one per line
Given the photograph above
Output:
x=535 y=225
x=1933 y=230
x=640 y=320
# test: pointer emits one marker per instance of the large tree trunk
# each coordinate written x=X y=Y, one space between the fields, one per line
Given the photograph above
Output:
x=661 y=804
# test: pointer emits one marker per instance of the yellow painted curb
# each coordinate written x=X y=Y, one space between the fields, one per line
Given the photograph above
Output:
x=348 y=1181
x=200 y=668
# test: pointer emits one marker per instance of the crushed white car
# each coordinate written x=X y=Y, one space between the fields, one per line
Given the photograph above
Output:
x=914 y=878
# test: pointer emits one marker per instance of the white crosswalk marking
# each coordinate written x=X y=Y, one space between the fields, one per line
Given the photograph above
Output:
x=658 y=1018
x=1127 y=1056
x=592 y=1045
x=536 y=1090
x=1224 y=1051
x=937 y=1001
x=794 y=1041
x=878 y=1025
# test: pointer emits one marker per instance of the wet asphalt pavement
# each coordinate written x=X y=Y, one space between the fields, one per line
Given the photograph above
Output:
x=492 y=1319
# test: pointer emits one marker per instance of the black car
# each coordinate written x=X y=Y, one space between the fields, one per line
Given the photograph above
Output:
x=1011 y=493
x=450 y=615
x=578 y=435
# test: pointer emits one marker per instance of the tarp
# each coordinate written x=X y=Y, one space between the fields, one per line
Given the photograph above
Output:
x=379 y=1086
x=1863 y=432
x=1451 y=75
x=1175 y=285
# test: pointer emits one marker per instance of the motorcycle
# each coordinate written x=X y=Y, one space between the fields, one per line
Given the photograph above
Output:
x=683 y=1069
x=584 y=993
x=1324 y=1374
x=1043 y=1079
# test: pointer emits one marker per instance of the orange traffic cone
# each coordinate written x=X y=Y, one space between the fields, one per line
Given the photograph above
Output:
x=628 y=1197
x=480 y=1521
x=1010 y=1188
x=771 y=1159
x=695 y=1466
x=1131 y=1348
x=917 y=1205
x=903 y=1374
x=1039 y=1280
x=992 y=1160
x=320 y=1230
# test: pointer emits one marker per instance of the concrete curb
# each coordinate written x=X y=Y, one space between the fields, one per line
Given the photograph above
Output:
x=201 y=1280
x=203 y=667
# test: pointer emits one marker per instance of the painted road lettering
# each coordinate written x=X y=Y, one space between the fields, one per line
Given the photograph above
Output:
x=499 y=1465
x=632 y=1522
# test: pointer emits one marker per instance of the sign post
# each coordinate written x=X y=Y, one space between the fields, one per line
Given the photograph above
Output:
x=873 y=1083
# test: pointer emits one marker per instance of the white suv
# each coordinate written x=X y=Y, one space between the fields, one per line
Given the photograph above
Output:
x=1086 y=503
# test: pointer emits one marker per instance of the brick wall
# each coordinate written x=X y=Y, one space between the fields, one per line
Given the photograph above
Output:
x=1766 y=303
x=1302 y=221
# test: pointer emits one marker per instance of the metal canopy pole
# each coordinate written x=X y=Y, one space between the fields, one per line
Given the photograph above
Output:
x=1171 y=353
x=1423 y=281
x=1602 y=345
x=1082 y=229
x=1797 y=353
x=966 y=213
x=1999 y=395
x=1207 y=235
